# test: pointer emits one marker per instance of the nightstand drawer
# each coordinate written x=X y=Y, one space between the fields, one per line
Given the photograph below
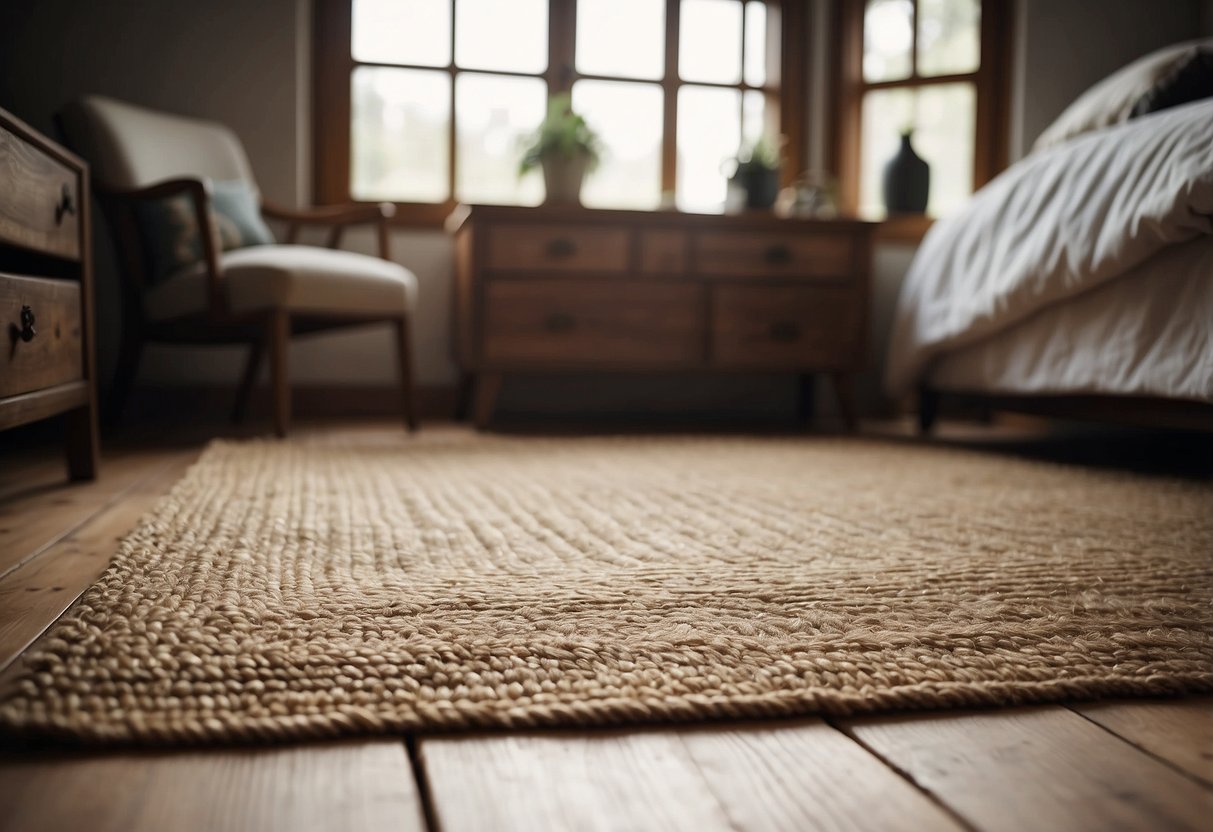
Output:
x=44 y=346
x=806 y=327
x=742 y=254
x=558 y=248
x=593 y=322
x=39 y=203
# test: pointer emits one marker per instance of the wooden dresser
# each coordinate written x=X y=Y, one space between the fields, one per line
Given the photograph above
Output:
x=46 y=291
x=571 y=290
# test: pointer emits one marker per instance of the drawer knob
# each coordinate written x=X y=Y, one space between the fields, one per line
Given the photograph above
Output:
x=785 y=331
x=560 y=247
x=777 y=254
x=559 y=322
x=27 y=331
x=65 y=206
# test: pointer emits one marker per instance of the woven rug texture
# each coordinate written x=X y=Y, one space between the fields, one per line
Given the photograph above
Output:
x=346 y=586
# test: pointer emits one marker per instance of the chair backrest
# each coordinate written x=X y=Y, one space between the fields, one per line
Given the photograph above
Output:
x=133 y=147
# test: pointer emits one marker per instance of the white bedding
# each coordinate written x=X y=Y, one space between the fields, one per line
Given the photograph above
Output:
x=1058 y=225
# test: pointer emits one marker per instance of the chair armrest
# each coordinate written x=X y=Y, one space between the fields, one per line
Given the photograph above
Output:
x=337 y=217
x=199 y=193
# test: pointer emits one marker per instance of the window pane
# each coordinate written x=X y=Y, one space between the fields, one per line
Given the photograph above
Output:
x=627 y=117
x=492 y=34
x=398 y=141
x=888 y=36
x=402 y=31
x=949 y=36
x=493 y=114
x=625 y=38
x=709 y=134
x=709 y=41
x=943 y=120
x=756 y=43
x=756 y=118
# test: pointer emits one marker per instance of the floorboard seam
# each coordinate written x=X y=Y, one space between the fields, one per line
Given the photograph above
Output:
x=1200 y=781
x=429 y=810
x=930 y=795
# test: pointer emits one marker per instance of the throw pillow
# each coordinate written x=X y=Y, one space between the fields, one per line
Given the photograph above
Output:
x=170 y=229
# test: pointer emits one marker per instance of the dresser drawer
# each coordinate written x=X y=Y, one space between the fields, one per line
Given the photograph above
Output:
x=808 y=327
x=593 y=322
x=807 y=255
x=54 y=353
x=558 y=248
x=39 y=202
x=663 y=251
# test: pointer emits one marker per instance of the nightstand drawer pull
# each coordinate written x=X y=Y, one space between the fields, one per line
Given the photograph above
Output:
x=559 y=322
x=27 y=331
x=561 y=247
x=777 y=255
x=65 y=206
x=785 y=332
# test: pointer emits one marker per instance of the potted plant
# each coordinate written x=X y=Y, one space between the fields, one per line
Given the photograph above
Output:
x=566 y=148
x=757 y=173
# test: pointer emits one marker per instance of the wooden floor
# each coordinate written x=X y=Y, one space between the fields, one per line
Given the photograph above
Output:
x=1109 y=765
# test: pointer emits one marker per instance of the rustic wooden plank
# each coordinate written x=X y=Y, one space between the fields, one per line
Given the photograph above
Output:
x=32 y=597
x=796 y=775
x=364 y=785
x=1042 y=768
x=45 y=507
x=1179 y=731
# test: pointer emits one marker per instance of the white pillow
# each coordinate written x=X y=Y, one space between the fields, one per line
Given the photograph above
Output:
x=1111 y=100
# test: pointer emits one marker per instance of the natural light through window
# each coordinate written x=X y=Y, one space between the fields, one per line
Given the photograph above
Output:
x=443 y=94
x=919 y=63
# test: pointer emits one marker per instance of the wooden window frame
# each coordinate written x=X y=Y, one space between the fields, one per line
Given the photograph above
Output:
x=991 y=120
x=334 y=65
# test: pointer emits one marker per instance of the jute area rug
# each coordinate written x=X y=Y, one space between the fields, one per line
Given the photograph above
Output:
x=289 y=590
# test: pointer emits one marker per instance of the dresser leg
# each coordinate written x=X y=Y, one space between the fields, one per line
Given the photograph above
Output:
x=488 y=386
x=82 y=444
x=844 y=391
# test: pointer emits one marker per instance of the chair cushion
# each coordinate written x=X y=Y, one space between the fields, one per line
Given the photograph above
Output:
x=297 y=278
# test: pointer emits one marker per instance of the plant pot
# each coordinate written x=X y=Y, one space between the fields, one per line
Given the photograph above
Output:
x=907 y=181
x=761 y=186
x=562 y=178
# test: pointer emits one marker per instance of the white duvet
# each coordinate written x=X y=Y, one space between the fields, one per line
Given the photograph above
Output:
x=1054 y=226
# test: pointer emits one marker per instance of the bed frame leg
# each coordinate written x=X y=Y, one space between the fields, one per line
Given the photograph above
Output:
x=928 y=409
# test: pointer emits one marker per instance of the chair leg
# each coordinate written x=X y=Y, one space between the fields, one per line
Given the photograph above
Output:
x=130 y=350
x=404 y=351
x=245 y=391
x=278 y=340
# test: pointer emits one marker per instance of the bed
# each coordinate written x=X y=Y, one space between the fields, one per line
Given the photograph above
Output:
x=1079 y=282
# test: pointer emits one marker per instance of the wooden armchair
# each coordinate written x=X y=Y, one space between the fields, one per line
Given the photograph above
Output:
x=260 y=295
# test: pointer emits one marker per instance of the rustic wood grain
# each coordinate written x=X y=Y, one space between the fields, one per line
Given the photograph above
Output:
x=40 y=506
x=823 y=252
x=1043 y=768
x=797 y=775
x=361 y=786
x=787 y=327
x=34 y=202
x=32 y=597
x=1179 y=731
x=593 y=322
x=556 y=247
x=55 y=354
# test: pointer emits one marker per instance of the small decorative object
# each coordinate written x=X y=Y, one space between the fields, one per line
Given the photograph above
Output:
x=757 y=174
x=814 y=195
x=566 y=148
x=907 y=180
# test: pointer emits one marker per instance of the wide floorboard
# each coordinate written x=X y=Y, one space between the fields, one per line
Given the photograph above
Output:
x=1127 y=764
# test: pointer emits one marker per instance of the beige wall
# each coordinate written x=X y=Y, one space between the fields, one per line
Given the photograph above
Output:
x=246 y=63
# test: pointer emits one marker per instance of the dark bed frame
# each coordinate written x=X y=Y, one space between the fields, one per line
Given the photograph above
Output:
x=1135 y=411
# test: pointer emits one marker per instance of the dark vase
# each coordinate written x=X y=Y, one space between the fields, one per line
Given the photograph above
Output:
x=907 y=181
x=761 y=187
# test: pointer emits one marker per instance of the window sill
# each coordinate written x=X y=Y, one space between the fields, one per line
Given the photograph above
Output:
x=906 y=228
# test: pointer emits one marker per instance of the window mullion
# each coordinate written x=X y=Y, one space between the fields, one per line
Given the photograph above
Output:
x=452 y=145
x=562 y=32
x=670 y=85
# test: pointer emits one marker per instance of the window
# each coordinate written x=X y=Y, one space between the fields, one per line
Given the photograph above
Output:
x=426 y=103
x=931 y=66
